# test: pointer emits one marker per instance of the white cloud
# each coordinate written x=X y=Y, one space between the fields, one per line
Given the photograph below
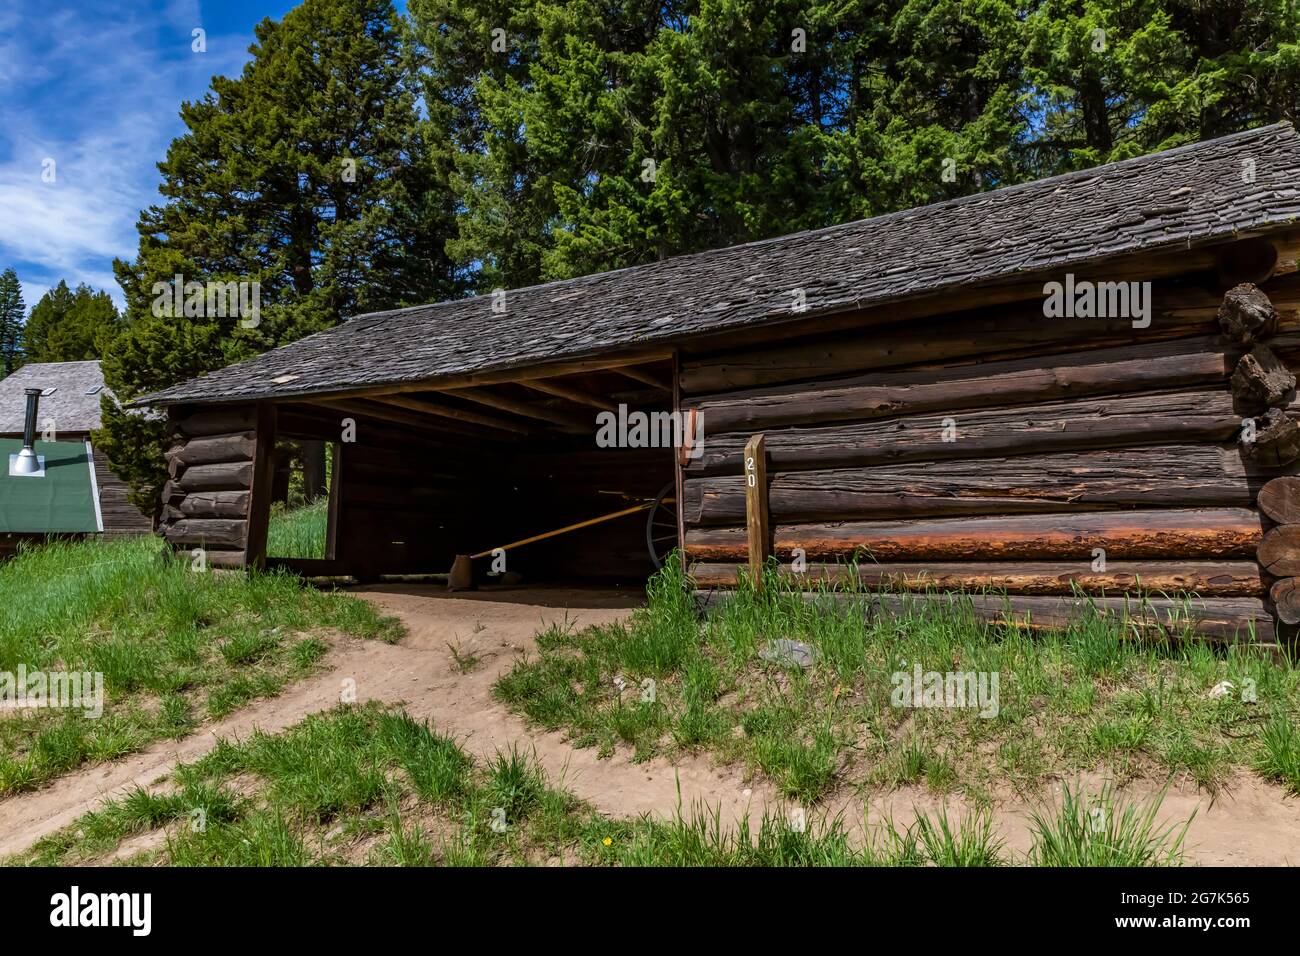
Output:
x=99 y=93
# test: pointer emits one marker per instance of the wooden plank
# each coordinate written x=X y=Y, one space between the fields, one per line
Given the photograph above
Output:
x=758 y=529
x=568 y=422
x=1147 y=419
x=259 y=502
x=570 y=394
x=457 y=414
x=1229 y=619
x=1125 y=535
x=1206 y=578
x=401 y=416
x=639 y=373
x=1189 y=476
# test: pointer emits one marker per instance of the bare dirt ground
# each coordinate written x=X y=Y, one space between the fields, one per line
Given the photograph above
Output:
x=1250 y=823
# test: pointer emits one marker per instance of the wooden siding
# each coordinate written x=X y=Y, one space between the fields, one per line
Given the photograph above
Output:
x=997 y=450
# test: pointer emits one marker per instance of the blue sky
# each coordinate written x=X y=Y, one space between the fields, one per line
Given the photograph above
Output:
x=96 y=86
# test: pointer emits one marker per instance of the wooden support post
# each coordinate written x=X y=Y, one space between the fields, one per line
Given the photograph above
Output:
x=679 y=462
x=259 y=501
x=332 y=515
x=756 y=513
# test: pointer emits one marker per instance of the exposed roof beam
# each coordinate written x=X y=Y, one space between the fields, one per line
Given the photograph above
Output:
x=400 y=416
x=497 y=377
x=567 y=392
x=458 y=414
x=640 y=374
x=569 y=423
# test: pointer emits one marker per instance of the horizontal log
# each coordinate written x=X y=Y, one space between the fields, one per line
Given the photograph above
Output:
x=1125 y=535
x=1005 y=331
x=223 y=476
x=1200 y=361
x=210 y=504
x=1008 y=333
x=1206 y=578
x=210 y=450
x=217 y=421
x=1228 y=619
x=1280 y=500
x=216 y=532
x=1189 y=476
x=1080 y=425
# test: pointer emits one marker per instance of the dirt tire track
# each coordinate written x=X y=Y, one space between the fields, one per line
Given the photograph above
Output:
x=418 y=672
x=1251 y=823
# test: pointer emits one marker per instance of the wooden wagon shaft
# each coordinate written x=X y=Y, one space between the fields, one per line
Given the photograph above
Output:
x=1202 y=533
x=644 y=506
x=1206 y=578
x=1164 y=418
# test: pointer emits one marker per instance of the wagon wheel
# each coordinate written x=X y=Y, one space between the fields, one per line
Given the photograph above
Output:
x=661 y=525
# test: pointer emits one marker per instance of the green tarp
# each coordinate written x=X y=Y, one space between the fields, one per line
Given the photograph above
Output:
x=63 y=501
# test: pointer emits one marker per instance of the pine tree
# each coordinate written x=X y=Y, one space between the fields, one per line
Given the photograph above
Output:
x=70 y=326
x=311 y=176
x=11 y=322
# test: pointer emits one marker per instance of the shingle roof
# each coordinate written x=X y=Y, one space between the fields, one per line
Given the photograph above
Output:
x=1192 y=194
x=72 y=405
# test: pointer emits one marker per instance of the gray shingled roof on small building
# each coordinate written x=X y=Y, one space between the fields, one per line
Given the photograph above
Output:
x=73 y=404
x=1176 y=199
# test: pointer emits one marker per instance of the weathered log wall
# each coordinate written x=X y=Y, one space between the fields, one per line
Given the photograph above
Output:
x=210 y=469
x=1002 y=450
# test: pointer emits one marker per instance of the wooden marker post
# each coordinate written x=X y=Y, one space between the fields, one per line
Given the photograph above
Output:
x=756 y=513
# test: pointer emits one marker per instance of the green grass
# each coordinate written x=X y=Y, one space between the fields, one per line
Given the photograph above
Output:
x=1086 y=698
x=369 y=785
x=176 y=647
x=298 y=532
x=1102 y=831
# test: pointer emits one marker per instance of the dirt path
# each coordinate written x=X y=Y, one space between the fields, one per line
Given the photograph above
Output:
x=419 y=671
x=1252 y=823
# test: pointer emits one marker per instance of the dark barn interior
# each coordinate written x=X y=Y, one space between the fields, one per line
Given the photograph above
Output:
x=420 y=477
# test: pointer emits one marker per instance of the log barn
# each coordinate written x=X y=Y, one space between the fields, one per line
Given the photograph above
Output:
x=1080 y=385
